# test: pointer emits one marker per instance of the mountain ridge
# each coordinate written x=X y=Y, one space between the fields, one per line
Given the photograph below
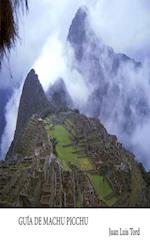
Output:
x=117 y=95
x=60 y=157
x=64 y=159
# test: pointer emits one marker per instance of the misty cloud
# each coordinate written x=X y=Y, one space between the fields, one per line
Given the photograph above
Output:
x=51 y=63
x=55 y=62
x=11 y=111
x=123 y=25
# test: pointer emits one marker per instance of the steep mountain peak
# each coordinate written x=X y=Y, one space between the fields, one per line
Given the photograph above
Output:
x=31 y=81
x=77 y=32
x=32 y=71
x=33 y=101
x=82 y=12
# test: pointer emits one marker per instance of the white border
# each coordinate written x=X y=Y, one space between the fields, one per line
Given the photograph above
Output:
x=100 y=220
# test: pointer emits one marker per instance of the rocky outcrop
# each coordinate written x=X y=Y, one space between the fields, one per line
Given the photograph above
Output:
x=58 y=95
x=33 y=101
x=77 y=33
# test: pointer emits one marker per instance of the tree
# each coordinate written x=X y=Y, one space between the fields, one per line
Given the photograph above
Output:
x=8 y=23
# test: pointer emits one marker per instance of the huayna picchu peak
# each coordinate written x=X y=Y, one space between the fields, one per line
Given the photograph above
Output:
x=33 y=101
x=64 y=159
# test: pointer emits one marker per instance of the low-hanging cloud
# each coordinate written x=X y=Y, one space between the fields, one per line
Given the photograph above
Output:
x=55 y=62
x=124 y=25
x=38 y=30
x=51 y=63
x=11 y=110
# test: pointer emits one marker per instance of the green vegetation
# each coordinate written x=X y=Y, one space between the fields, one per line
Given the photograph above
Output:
x=136 y=186
x=23 y=165
x=111 y=202
x=102 y=188
x=100 y=184
x=66 y=154
x=79 y=204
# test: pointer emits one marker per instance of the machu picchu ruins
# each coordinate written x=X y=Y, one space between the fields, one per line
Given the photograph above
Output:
x=62 y=159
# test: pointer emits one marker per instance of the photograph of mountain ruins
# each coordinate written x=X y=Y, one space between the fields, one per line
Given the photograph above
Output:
x=74 y=103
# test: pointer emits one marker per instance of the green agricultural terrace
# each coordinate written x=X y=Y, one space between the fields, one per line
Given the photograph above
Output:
x=103 y=189
x=66 y=154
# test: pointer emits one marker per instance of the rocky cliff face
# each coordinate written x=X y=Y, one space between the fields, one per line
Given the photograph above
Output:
x=77 y=32
x=33 y=101
x=117 y=96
